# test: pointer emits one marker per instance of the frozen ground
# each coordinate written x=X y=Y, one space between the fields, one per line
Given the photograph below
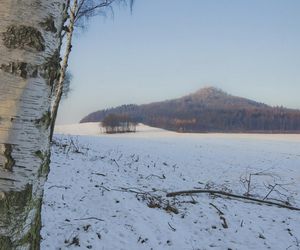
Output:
x=109 y=191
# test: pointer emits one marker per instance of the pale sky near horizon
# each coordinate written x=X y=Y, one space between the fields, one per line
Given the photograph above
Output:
x=169 y=48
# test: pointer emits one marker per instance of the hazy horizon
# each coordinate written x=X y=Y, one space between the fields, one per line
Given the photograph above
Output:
x=166 y=50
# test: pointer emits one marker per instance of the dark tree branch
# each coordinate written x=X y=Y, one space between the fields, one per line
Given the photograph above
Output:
x=90 y=218
x=222 y=193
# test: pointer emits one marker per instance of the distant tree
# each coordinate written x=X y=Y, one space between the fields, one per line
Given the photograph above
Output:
x=114 y=123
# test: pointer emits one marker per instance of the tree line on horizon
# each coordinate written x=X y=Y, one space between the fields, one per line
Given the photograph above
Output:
x=198 y=118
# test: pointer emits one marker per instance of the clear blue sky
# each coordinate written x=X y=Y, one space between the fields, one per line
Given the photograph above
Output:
x=169 y=48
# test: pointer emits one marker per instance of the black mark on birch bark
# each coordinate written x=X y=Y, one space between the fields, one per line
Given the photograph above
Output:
x=33 y=237
x=45 y=167
x=39 y=154
x=51 y=69
x=44 y=121
x=15 y=204
x=5 y=243
x=23 y=37
x=21 y=69
x=49 y=25
x=15 y=200
x=9 y=161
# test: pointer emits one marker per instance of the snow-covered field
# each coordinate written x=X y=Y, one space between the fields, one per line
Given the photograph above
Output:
x=109 y=191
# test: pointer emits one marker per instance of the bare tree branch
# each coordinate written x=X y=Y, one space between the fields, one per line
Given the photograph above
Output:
x=87 y=10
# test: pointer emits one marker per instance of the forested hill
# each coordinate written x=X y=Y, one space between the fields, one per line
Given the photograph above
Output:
x=208 y=110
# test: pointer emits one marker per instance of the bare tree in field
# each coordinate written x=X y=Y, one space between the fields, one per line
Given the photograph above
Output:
x=78 y=11
x=30 y=39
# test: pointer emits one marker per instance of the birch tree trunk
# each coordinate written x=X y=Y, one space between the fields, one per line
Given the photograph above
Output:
x=29 y=65
x=64 y=66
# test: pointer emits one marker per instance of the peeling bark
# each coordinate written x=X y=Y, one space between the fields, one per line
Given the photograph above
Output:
x=29 y=61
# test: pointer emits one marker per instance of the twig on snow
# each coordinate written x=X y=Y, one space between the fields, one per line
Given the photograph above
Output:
x=56 y=186
x=172 y=228
x=154 y=175
x=90 y=218
x=98 y=174
x=221 y=214
x=219 y=211
x=114 y=160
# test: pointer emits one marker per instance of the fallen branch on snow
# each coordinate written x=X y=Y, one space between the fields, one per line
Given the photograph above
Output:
x=172 y=228
x=90 y=218
x=221 y=214
x=98 y=174
x=219 y=211
x=154 y=175
x=55 y=186
x=222 y=193
x=153 y=201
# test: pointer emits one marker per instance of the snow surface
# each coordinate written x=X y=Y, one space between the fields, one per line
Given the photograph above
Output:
x=101 y=188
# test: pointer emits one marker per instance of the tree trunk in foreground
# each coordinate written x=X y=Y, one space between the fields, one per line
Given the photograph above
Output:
x=29 y=65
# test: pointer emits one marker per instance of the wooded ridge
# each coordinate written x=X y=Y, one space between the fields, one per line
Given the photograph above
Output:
x=209 y=110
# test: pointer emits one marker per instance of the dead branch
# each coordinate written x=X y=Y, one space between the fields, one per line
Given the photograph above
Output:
x=114 y=160
x=152 y=200
x=107 y=189
x=172 y=228
x=271 y=190
x=224 y=224
x=65 y=187
x=221 y=214
x=247 y=180
x=219 y=211
x=222 y=193
x=98 y=174
x=90 y=218
x=154 y=175
x=130 y=190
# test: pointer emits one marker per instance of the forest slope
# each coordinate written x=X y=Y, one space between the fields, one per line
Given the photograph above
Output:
x=209 y=110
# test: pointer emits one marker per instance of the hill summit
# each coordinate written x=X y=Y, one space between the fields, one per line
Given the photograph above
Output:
x=208 y=110
x=217 y=98
x=209 y=92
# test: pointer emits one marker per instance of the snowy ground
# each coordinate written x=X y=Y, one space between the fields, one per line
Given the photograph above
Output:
x=109 y=191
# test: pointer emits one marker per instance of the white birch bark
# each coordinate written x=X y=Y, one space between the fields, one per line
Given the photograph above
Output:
x=29 y=64
x=64 y=66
